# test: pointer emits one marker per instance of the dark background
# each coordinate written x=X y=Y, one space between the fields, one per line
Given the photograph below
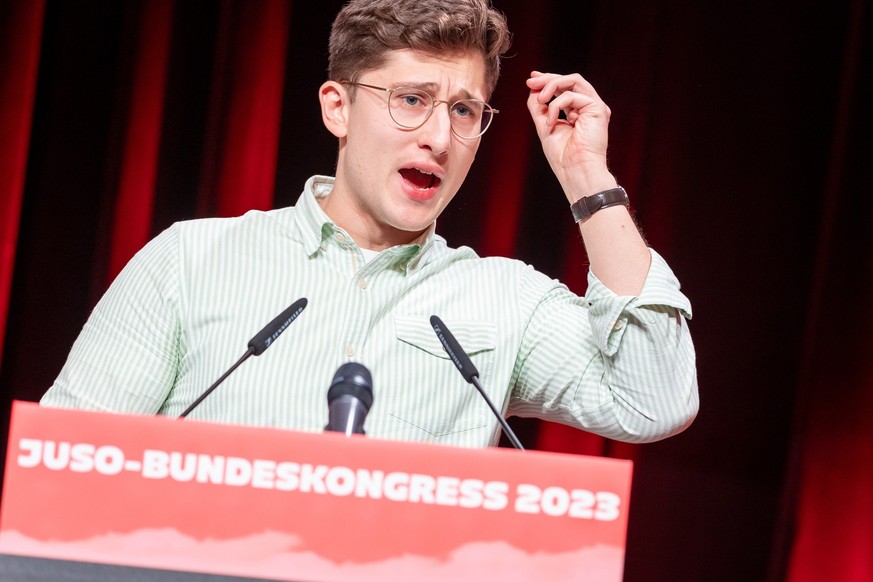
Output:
x=741 y=131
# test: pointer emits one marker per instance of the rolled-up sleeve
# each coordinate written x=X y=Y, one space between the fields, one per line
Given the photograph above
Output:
x=620 y=367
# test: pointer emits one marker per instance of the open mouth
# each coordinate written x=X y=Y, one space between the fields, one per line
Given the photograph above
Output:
x=419 y=178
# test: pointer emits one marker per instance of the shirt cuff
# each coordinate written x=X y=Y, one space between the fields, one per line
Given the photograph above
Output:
x=608 y=313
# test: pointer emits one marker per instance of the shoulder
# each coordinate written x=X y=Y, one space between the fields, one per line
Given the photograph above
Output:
x=250 y=229
x=253 y=220
x=511 y=274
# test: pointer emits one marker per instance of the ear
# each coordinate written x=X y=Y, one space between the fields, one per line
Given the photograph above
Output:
x=334 y=107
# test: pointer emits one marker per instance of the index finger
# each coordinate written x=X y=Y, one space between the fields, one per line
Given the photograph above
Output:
x=550 y=84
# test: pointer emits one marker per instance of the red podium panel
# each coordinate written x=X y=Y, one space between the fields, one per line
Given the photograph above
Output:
x=242 y=501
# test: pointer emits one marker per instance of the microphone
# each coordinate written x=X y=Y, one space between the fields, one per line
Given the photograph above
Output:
x=349 y=399
x=465 y=366
x=257 y=345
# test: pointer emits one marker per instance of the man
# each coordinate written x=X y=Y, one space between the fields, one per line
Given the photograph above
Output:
x=407 y=101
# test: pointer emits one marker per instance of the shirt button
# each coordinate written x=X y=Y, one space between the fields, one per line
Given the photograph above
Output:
x=618 y=325
x=340 y=237
x=362 y=283
x=350 y=351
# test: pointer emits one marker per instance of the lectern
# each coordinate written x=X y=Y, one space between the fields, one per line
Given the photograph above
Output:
x=145 y=498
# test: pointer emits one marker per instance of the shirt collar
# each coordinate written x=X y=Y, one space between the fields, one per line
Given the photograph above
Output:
x=315 y=226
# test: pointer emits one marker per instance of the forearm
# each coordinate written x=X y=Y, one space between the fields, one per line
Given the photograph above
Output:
x=571 y=122
x=616 y=250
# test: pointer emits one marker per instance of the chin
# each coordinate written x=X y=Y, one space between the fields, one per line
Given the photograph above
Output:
x=412 y=226
x=414 y=217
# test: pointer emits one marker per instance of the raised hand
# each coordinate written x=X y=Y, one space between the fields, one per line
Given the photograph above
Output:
x=574 y=143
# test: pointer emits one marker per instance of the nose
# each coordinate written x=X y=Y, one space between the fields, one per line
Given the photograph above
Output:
x=436 y=133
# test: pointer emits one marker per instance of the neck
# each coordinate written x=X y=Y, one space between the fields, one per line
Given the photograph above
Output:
x=366 y=232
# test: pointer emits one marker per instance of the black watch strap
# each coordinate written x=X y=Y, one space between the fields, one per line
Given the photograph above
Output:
x=588 y=205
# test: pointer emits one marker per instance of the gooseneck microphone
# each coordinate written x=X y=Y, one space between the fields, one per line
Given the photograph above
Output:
x=465 y=366
x=349 y=399
x=257 y=345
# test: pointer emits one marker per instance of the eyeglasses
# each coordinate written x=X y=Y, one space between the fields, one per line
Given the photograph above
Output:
x=410 y=108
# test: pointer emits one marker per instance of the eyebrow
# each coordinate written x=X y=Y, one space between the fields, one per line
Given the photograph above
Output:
x=432 y=87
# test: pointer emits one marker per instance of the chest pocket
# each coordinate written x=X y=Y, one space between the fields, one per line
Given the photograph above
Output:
x=474 y=337
x=447 y=404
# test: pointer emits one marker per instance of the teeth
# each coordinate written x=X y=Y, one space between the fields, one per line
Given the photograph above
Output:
x=422 y=179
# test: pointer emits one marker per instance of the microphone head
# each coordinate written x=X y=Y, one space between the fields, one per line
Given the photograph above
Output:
x=264 y=338
x=352 y=379
x=456 y=353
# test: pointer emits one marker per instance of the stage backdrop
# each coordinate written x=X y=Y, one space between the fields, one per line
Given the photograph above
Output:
x=742 y=133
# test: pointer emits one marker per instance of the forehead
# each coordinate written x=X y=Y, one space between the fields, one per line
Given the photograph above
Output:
x=455 y=73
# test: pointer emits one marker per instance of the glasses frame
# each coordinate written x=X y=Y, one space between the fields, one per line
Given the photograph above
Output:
x=433 y=103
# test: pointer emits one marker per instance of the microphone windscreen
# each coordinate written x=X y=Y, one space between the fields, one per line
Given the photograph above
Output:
x=352 y=379
x=454 y=350
x=264 y=338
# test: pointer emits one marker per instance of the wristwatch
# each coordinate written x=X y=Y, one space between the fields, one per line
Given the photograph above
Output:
x=588 y=205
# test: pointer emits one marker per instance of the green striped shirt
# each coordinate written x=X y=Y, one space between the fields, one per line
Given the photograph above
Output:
x=184 y=308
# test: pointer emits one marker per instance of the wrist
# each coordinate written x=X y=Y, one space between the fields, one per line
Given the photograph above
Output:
x=587 y=183
x=585 y=206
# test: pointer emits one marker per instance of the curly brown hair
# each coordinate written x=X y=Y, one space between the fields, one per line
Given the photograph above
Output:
x=365 y=31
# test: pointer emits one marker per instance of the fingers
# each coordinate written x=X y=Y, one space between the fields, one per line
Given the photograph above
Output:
x=572 y=105
x=551 y=94
x=551 y=84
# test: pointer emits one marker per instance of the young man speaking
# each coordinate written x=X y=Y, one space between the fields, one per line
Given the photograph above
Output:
x=407 y=100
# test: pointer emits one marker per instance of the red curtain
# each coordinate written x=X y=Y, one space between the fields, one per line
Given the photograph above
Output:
x=245 y=107
x=834 y=441
x=132 y=221
x=742 y=133
x=20 y=36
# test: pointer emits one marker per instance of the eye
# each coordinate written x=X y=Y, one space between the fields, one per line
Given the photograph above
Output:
x=411 y=99
x=468 y=110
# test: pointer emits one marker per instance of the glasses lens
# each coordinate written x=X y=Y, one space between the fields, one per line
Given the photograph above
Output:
x=409 y=107
x=470 y=117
